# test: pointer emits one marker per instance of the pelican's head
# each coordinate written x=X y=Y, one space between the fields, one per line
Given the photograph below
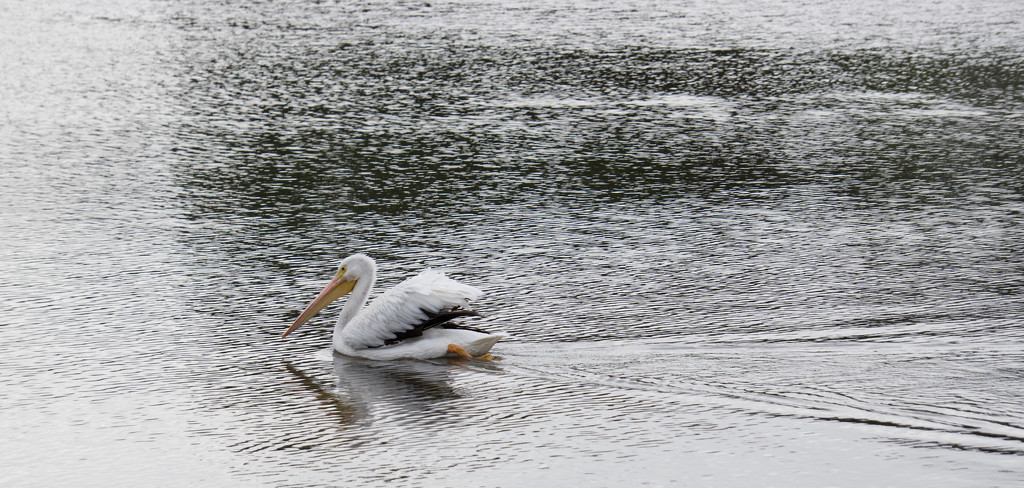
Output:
x=356 y=267
x=352 y=269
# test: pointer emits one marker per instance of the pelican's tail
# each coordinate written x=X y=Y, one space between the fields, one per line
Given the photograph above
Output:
x=479 y=347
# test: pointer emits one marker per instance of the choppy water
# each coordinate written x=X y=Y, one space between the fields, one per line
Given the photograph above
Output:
x=734 y=243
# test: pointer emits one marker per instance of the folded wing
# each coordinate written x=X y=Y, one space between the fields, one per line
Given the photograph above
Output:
x=426 y=300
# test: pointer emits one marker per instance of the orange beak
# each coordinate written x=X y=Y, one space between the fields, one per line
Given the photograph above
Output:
x=334 y=290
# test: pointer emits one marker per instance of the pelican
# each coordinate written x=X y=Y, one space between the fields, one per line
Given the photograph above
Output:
x=410 y=320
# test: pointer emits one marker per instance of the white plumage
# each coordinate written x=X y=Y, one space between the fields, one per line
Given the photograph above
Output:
x=407 y=321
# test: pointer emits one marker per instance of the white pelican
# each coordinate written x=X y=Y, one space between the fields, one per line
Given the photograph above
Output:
x=410 y=320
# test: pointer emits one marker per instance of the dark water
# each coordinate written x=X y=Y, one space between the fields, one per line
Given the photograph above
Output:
x=734 y=243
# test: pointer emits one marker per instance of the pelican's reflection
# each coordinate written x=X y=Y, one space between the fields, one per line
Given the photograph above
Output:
x=414 y=380
x=345 y=412
x=402 y=389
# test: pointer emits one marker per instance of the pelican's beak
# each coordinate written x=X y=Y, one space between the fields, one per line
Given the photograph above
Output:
x=334 y=290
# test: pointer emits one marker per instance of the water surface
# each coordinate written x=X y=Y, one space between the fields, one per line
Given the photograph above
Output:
x=733 y=243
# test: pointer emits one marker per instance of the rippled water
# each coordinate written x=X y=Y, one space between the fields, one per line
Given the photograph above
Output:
x=734 y=243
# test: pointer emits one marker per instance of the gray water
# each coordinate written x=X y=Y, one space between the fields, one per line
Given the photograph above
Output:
x=734 y=243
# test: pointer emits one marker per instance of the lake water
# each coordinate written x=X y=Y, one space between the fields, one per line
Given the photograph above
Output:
x=734 y=243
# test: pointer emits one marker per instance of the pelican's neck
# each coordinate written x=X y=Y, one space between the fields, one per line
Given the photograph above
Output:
x=356 y=300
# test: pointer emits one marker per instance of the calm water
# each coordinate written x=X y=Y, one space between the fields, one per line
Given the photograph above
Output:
x=735 y=243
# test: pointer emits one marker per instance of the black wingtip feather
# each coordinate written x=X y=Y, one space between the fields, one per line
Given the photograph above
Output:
x=436 y=319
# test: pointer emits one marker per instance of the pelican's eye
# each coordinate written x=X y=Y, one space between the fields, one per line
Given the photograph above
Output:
x=341 y=272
